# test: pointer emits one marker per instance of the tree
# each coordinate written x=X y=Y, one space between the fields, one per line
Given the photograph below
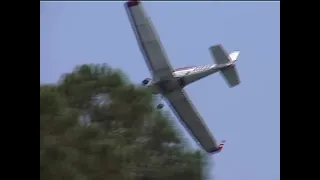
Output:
x=96 y=125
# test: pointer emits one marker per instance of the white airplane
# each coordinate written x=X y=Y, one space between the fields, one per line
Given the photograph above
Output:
x=169 y=83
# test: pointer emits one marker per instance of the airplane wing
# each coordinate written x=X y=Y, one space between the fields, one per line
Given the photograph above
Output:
x=149 y=42
x=184 y=109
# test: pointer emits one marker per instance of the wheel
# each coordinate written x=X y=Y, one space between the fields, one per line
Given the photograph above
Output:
x=160 y=106
x=145 y=82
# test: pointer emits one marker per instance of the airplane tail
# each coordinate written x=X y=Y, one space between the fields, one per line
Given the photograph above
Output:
x=229 y=73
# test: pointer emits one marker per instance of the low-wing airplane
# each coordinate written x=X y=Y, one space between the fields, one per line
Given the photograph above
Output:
x=170 y=83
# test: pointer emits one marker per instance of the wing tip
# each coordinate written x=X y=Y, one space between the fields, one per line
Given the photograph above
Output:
x=216 y=149
x=212 y=150
x=216 y=46
x=132 y=3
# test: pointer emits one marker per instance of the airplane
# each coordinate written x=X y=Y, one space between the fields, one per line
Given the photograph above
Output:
x=169 y=82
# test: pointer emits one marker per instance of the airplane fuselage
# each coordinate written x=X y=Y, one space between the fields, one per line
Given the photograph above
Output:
x=183 y=77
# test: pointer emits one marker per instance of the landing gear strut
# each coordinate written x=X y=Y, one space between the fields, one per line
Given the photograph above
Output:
x=160 y=106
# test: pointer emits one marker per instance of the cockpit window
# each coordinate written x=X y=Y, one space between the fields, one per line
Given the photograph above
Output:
x=184 y=68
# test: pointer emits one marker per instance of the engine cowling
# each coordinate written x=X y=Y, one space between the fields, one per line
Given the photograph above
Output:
x=146 y=81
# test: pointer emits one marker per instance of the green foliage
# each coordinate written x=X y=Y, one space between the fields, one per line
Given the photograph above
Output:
x=95 y=125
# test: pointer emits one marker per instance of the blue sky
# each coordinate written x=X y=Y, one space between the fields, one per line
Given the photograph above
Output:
x=247 y=116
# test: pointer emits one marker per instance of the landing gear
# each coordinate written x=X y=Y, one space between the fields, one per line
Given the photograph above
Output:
x=145 y=82
x=160 y=106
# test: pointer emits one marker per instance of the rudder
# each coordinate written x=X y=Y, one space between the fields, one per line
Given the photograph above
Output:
x=221 y=57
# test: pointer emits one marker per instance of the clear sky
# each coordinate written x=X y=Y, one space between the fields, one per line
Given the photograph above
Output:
x=247 y=116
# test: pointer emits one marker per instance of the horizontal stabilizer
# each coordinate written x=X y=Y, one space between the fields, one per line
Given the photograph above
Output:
x=230 y=74
x=221 y=57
